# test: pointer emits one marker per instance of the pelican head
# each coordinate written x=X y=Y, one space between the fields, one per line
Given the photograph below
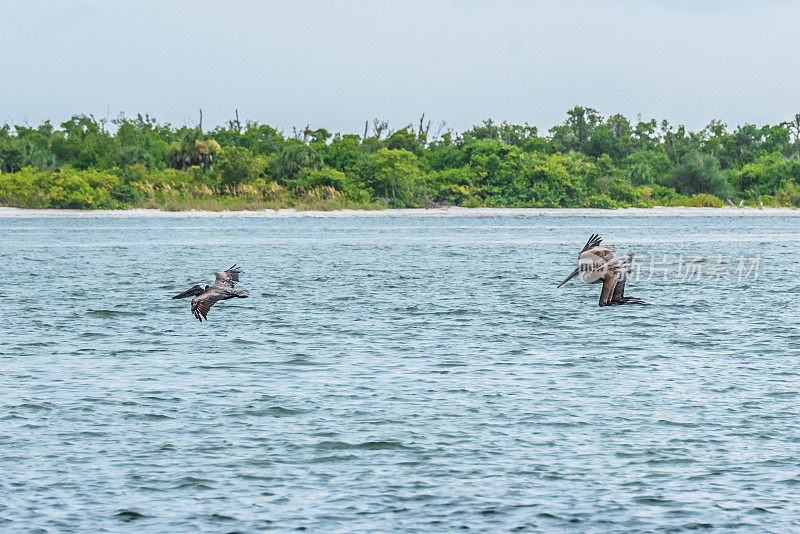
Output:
x=586 y=268
x=193 y=292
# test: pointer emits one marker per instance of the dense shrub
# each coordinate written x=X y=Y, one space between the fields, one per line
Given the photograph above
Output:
x=588 y=160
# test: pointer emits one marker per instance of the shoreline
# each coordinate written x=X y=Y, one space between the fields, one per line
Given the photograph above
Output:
x=727 y=211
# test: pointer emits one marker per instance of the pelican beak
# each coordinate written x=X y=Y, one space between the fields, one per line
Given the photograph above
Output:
x=187 y=293
x=572 y=275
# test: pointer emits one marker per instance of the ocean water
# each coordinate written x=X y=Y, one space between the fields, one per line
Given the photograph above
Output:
x=391 y=374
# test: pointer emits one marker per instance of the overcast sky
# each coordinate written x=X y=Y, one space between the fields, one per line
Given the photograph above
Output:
x=334 y=64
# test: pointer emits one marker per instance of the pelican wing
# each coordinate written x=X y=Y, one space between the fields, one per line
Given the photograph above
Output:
x=609 y=284
x=202 y=304
x=191 y=292
x=594 y=241
x=618 y=294
x=227 y=279
x=619 y=288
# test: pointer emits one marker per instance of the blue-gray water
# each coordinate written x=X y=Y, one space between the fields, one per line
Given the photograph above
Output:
x=396 y=374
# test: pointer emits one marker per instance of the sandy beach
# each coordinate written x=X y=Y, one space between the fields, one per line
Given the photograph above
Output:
x=17 y=213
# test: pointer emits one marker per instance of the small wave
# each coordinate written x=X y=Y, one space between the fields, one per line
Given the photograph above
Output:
x=274 y=411
x=162 y=399
x=382 y=445
x=45 y=406
x=128 y=515
x=547 y=515
x=682 y=424
x=38 y=344
x=221 y=517
x=279 y=411
x=333 y=445
x=670 y=461
x=94 y=335
x=244 y=342
x=654 y=501
x=367 y=445
x=107 y=314
x=298 y=361
x=147 y=416
x=334 y=459
x=193 y=482
x=455 y=312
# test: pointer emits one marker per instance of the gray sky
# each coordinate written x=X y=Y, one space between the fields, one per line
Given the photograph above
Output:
x=334 y=64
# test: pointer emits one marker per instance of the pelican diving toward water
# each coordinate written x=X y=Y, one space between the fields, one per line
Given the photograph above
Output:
x=598 y=263
x=207 y=296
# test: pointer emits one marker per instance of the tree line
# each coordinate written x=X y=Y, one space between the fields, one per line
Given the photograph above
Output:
x=587 y=161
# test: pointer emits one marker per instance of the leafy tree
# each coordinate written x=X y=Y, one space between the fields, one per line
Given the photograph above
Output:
x=142 y=141
x=700 y=173
x=393 y=175
x=343 y=153
x=646 y=167
x=190 y=152
x=317 y=138
x=455 y=186
x=236 y=165
x=767 y=174
x=550 y=180
x=509 y=134
x=585 y=161
x=574 y=134
x=645 y=135
x=84 y=144
x=294 y=157
x=404 y=139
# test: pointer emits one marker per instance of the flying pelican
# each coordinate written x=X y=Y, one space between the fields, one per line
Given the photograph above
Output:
x=207 y=296
x=597 y=263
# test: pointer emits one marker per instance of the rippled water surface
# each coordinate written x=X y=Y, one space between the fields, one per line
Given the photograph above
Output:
x=395 y=374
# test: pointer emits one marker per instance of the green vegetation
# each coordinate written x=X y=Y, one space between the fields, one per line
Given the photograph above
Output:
x=588 y=161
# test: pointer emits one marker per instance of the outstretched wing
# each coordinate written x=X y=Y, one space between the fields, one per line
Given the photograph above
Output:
x=594 y=241
x=619 y=288
x=227 y=279
x=202 y=304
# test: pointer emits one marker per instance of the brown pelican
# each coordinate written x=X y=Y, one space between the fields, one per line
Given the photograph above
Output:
x=597 y=263
x=207 y=296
